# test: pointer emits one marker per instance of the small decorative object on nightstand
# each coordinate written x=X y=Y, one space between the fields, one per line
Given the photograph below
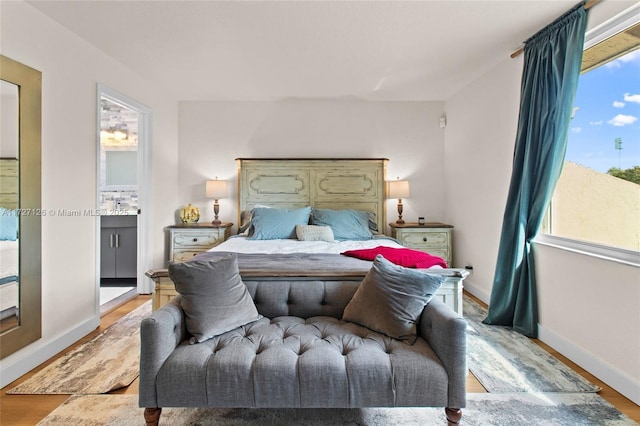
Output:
x=187 y=240
x=190 y=214
x=399 y=189
x=432 y=237
x=216 y=189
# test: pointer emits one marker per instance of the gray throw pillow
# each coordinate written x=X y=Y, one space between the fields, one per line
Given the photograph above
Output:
x=214 y=298
x=391 y=298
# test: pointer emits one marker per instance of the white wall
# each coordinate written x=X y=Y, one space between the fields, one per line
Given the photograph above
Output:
x=71 y=69
x=213 y=134
x=9 y=120
x=589 y=308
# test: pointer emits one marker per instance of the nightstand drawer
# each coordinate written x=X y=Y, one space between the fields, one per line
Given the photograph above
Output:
x=424 y=238
x=442 y=252
x=185 y=241
x=184 y=255
x=433 y=238
x=195 y=239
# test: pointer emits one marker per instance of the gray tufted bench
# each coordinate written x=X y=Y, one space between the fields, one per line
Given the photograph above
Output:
x=300 y=354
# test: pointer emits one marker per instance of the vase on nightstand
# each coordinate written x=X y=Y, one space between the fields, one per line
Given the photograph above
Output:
x=190 y=214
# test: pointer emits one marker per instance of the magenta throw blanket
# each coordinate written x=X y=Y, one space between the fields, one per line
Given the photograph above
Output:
x=406 y=257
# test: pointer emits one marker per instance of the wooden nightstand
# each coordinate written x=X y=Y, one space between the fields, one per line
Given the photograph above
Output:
x=432 y=237
x=187 y=240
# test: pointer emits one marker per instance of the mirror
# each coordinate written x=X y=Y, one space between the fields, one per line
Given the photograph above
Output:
x=9 y=202
x=20 y=213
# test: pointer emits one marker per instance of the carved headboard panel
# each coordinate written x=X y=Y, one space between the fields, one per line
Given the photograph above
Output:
x=9 y=183
x=357 y=184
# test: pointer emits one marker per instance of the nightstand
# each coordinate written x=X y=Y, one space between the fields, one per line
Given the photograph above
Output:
x=432 y=237
x=189 y=239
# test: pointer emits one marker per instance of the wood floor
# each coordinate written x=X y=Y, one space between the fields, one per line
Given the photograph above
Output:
x=28 y=410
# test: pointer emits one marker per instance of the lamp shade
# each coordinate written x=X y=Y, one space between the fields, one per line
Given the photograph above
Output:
x=399 y=189
x=216 y=189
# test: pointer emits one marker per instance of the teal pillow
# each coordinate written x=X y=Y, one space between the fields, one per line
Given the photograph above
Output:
x=273 y=224
x=8 y=224
x=391 y=299
x=345 y=224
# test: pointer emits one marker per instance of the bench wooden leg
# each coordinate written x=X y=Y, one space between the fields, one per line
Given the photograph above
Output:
x=152 y=416
x=453 y=415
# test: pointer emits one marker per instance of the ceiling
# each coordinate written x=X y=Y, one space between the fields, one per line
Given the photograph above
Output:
x=273 y=50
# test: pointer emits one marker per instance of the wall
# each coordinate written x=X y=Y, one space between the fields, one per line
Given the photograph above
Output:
x=9 y=120
x=589 y=307
x=213 y=134
x=592 y=206
x=71 y=69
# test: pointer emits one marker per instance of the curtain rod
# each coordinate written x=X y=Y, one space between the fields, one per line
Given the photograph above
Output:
x=587 y=6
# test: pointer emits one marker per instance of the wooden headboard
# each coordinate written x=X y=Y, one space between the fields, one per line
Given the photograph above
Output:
x=9 y=183
x=327 y=183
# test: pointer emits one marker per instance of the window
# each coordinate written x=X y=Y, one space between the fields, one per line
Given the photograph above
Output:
x=596 y=205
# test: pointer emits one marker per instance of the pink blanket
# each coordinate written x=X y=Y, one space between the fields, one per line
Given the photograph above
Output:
x=400 y=256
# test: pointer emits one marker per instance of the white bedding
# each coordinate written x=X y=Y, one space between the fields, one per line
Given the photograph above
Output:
x=8 y=258
x=240 y=244
x=8 y=268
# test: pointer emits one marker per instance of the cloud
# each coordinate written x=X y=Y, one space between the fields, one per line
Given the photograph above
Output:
x=575 y=109
x=618 y=104
x=596 y=123
x=622 y=120
x=576 y=129
x=628 y=58
x=631 y=98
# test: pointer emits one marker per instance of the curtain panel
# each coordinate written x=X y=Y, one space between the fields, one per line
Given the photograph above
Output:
x=552 y=62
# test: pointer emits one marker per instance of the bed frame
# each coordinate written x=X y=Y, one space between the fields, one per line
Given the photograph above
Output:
x=357 y=184
x=335 y=183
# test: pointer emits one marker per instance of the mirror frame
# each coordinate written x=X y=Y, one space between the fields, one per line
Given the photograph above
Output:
x=29 y=82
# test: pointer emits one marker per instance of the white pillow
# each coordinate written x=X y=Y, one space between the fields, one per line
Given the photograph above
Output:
x=314 y=233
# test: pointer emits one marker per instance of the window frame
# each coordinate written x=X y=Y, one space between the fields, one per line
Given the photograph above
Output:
x=594 y=36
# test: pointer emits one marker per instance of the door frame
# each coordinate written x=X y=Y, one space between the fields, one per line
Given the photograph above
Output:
x=144 y=286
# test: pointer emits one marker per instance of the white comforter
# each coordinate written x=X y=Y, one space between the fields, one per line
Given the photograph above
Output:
x=8 y=258
x=240 y=244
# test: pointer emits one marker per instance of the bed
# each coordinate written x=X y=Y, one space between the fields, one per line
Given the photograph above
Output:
x=321 y=185
x=9 y=246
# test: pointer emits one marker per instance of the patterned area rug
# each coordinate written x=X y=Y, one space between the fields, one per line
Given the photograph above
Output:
x=505 y=361
x=109 y=361
x=482 y=409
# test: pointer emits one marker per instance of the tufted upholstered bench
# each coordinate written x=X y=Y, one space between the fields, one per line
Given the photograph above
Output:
x=300 y=354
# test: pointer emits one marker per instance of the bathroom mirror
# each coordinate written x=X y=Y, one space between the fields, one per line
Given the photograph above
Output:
x=20 y=220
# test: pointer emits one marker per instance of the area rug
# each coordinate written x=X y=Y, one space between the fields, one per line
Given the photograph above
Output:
x=107 y=362
x=482 y=409
x=505 y=361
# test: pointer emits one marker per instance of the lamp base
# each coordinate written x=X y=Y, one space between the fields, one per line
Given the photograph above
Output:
x=400 y=221
x=216 y=210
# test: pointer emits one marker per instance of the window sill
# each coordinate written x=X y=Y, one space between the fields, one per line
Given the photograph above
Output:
x=618 y=255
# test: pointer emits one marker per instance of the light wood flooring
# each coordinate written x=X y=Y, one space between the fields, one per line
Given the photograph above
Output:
x=28 y=410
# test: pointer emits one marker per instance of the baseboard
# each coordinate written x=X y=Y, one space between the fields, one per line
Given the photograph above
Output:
x=613 y=377
x=25 y=360
x=477 y=292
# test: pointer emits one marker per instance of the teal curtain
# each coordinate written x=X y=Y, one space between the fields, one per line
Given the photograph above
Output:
x=552 y=62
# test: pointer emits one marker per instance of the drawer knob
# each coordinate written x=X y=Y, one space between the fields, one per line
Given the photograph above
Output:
x=424 y=239
x=195 y=240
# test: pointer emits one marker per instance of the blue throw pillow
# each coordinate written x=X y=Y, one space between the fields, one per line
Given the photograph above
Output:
x=8 y=224
x=273 y=224
x=345 y=224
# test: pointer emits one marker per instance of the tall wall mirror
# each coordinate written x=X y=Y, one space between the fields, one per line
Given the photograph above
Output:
x=20 y=210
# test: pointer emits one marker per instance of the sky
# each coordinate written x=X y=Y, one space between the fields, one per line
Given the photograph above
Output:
x=606 y=107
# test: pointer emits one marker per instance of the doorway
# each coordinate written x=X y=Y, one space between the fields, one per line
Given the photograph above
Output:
x=123 y=188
